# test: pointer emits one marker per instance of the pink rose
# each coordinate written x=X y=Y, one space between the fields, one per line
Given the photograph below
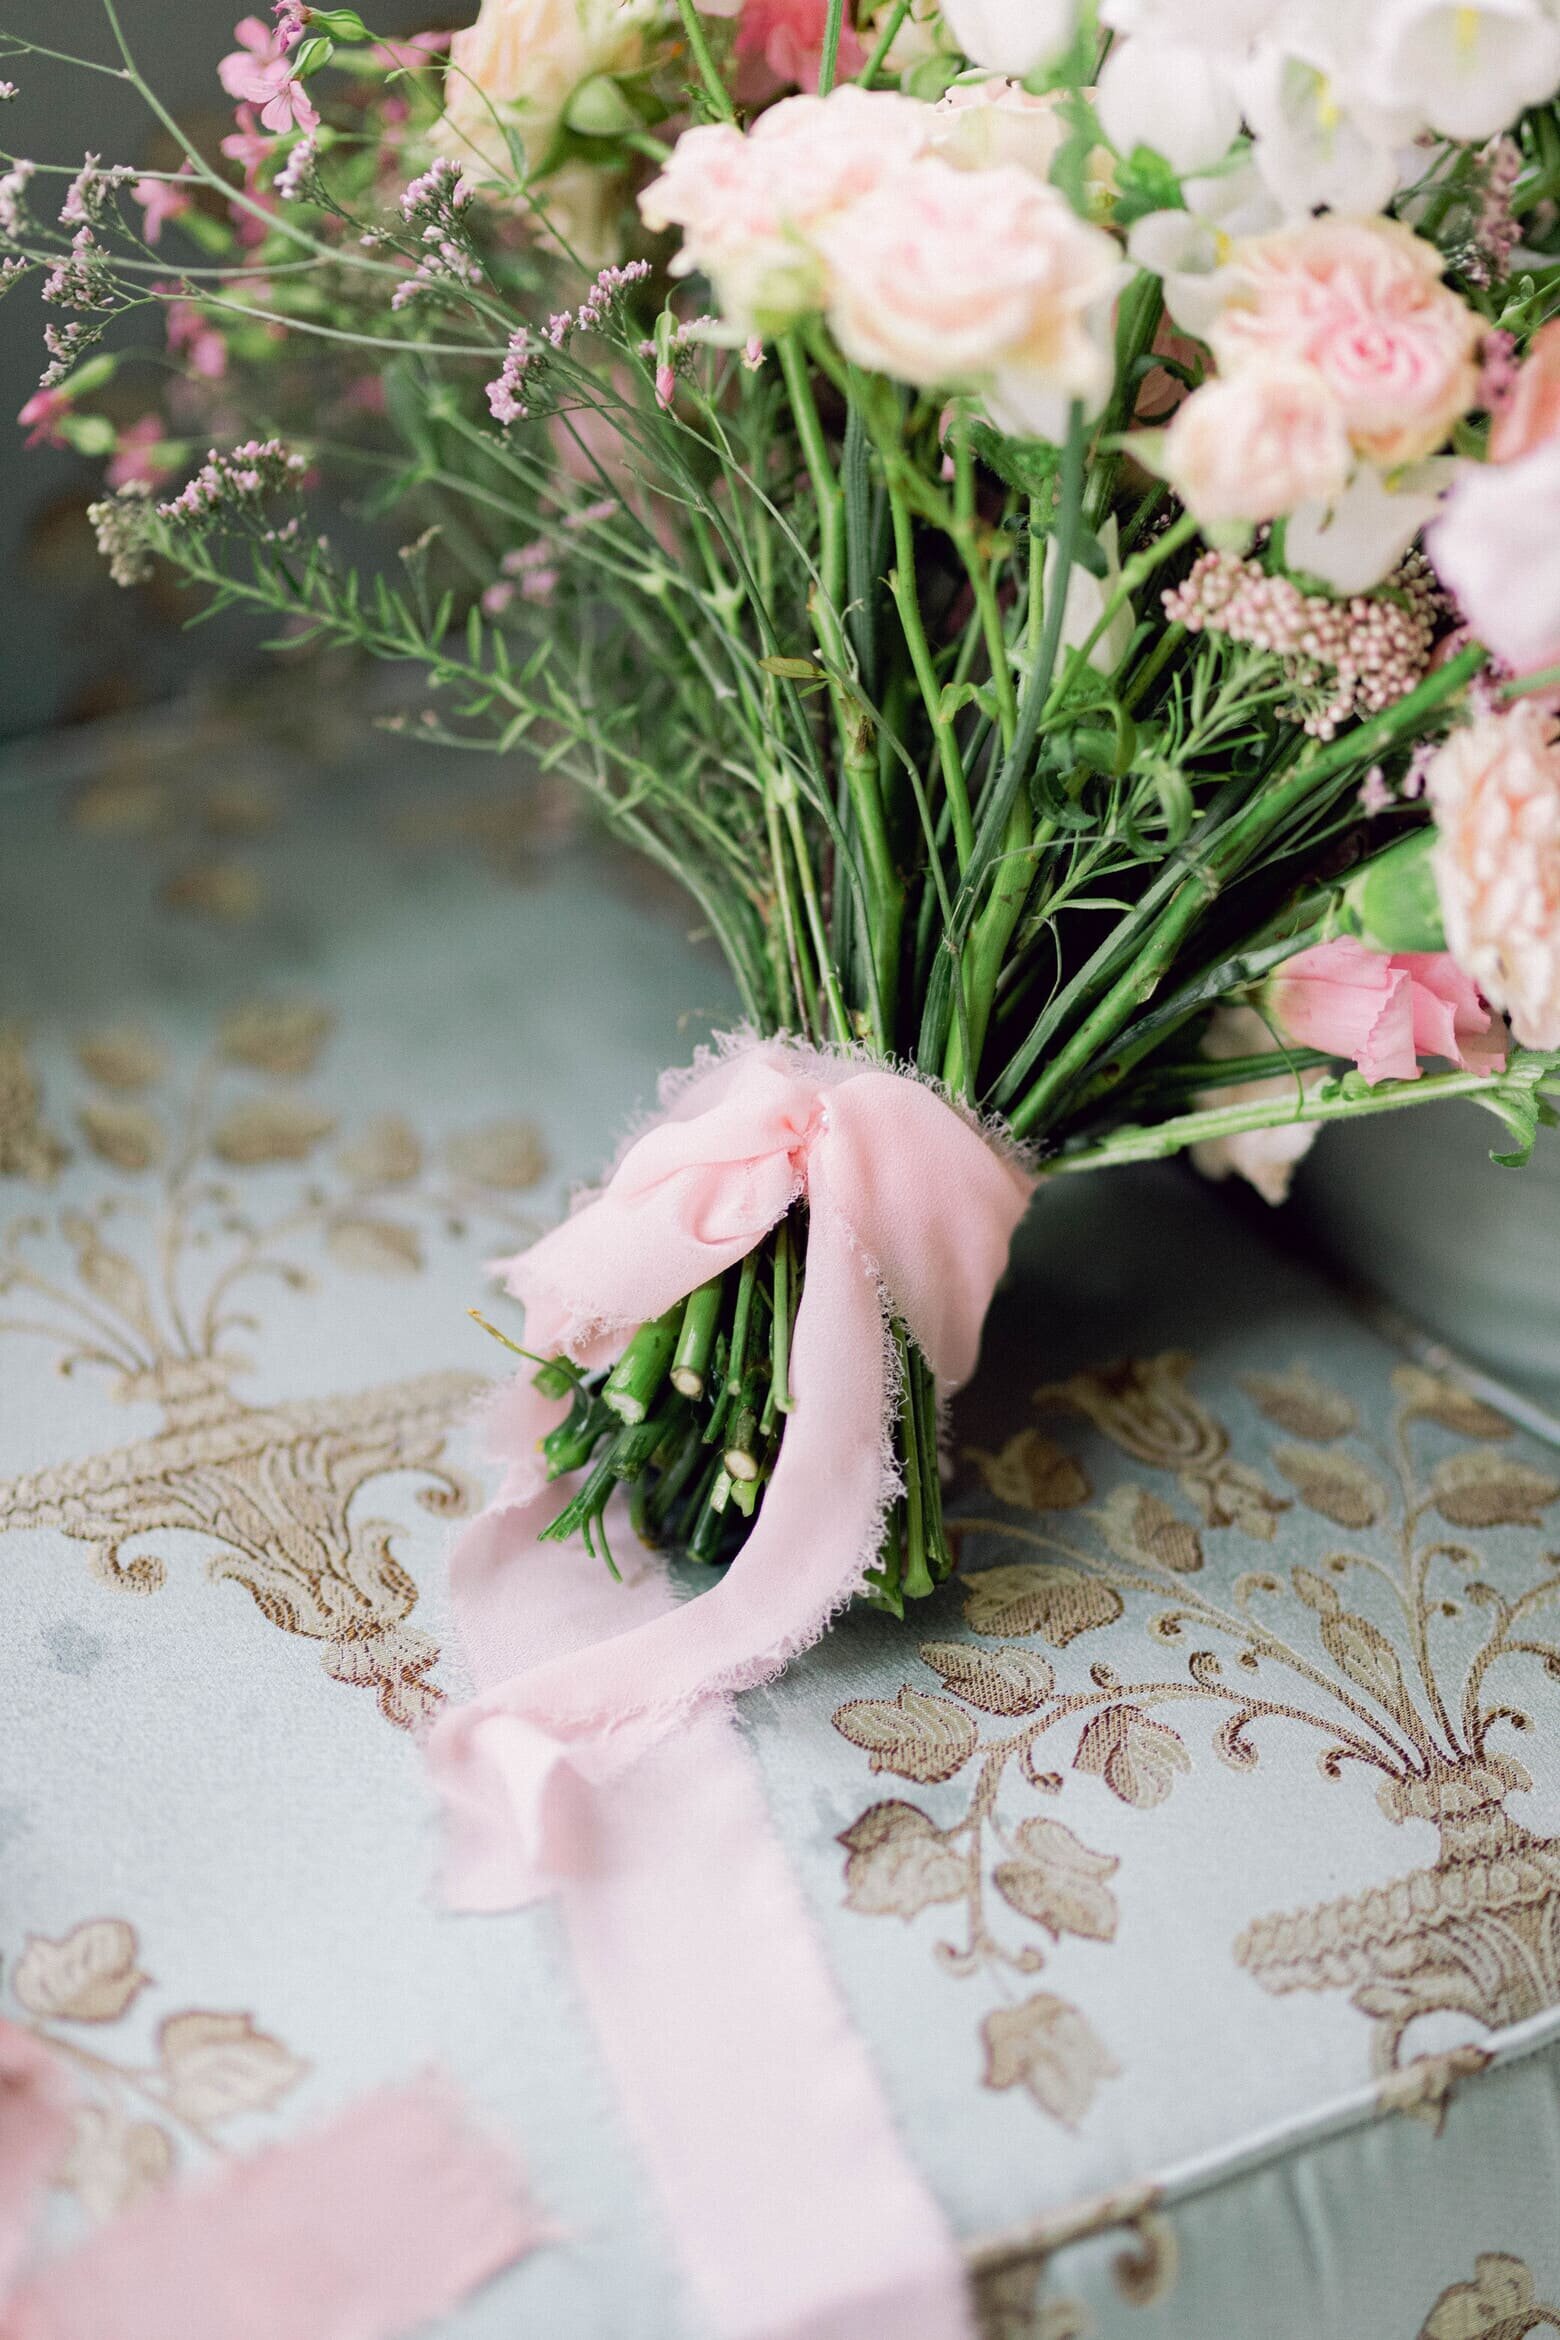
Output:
x=1496 y=543
x=977 y=280
x=1495 y=791
x=1384 y=1011
x=1361 y=301
x=1258 y=445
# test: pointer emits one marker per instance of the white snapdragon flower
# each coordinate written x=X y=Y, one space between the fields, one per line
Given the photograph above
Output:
x=1171 y=95
x=1011 y=36
x=1359 y=538
x=1321 y=136
x=1467 y=71
x=1190 y=251
x=1227 y=27
x=1087 y=597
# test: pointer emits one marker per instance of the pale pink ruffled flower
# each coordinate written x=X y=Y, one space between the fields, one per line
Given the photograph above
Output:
x=978 y=280
x=1384 y=1011
x=259 y=72
x=1265 y=1158
x=1257 y=445
x=1361 y=302
x=1495 y=791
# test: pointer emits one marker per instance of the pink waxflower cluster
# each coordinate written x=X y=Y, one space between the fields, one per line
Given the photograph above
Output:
x=1346 y=658
x=1495 y=791
x=235 y=483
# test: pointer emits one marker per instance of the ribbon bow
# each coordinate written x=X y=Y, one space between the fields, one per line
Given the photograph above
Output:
x=911 y=1209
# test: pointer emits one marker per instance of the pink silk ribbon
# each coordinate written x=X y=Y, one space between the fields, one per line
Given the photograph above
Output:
x=365 y=2229
x=600 y=1760
x=906 y=1200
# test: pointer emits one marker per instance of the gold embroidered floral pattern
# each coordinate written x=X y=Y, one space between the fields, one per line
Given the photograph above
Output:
x=159 y=1294
x=1501 y=2303
x=1008 y=2271
x=134 y=2119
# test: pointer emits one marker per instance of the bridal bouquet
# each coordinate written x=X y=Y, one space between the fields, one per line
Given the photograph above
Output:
x=1044 y=518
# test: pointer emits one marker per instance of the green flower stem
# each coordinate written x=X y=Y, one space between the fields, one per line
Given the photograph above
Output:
x=1329 y=1103
x=907 y=602
x=747 y=1284
x=632 y=1385
x=784 y=1317
x=696 y=1338
x=699 y=49
x=829 y=59
x=1230 y=851
x=917 y=1578
x=885 y=41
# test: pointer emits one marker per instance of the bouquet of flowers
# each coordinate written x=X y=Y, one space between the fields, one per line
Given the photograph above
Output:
x=1043 y=517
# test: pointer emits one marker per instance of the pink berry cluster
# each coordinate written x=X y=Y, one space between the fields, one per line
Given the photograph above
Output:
x=1344 y=658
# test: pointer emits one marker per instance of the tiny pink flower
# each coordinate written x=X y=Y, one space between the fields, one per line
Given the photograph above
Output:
x=41 y=415
x=1382 y=1010
x=247 y=147
x=787 y=35
x=260 y=73
x=160 y=201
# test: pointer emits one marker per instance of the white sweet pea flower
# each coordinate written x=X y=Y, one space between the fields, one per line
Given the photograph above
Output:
x=1320 y=139
x=1226 y=26
x=1011 y=36
x=1356 y=541
x=1086 y=599
x=1171 y=96
x=1467 y=71
x=1190 y=251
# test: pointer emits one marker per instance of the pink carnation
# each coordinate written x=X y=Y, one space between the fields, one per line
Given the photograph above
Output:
x=258 y=71
x=1384 y=1012
x=1360 y=301
x=1495 y=791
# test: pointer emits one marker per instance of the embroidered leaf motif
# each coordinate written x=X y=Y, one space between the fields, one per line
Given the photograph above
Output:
x=1140 y=1527
x=114 y=2161
x=1369 y=1659
x=276 y=1036
x=506 y=1155
x=122 y=1057
x=1135 y=1756
x=387 y=1153
x=1427 y=1396
x=270 y=1129
x=375 y=1247
x=107 y=1274
x=1297 y=1402
x=1315 y=1591
x=214 y=2066
x=1494 y=2306
x=1487 y=1489
x=89 y=1976
x=1054 y=1601
x=1143 y=1406
x=1048 y=2047
x=1336 y=1485
x=1033 y=1473
x=1059 y=1882
x=899 y=1863
x=126 y=1135
x=998 y=1681
x=918 y=1735
x=1232 y=1494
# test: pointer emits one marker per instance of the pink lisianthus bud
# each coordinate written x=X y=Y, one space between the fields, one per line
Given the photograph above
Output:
x=260 y=72
x=665 y=384
x=1383 y=1011
x=1495 y=791
x=40 y=418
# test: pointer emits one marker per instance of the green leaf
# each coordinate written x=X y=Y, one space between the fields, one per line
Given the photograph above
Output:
x=1391 y=904
x=793 y=669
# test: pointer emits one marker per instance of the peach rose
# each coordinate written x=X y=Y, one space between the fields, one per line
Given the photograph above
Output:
x=748 y=206
x=1360 y=301
x=977 y=280
x=518 y=66
x=1257 y=445
x=1495 y=791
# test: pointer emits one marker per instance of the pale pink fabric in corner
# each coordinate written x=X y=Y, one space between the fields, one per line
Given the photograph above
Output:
x=363 y=2230
x=600 y=1759
x=906 y=1198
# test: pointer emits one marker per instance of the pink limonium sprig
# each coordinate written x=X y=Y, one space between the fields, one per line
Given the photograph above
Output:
x=234 y=485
